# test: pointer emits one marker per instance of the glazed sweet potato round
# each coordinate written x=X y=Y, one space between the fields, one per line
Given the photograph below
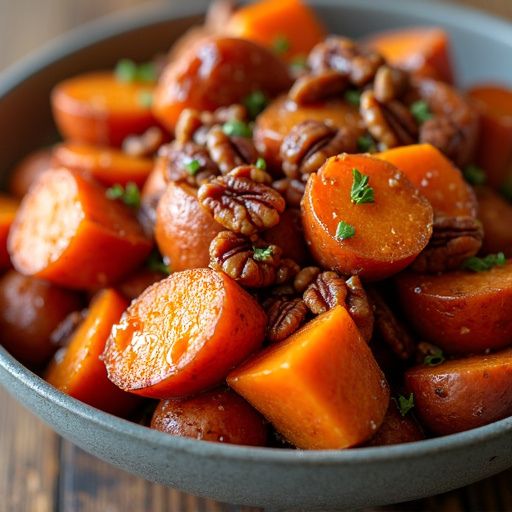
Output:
x=30 y=310
x=388 y=232
x=220 y=416
x=184 y=229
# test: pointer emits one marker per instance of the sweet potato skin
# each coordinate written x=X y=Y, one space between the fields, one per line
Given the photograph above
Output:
x=28 y=170
x=215 y=72
x=327 y=201
x=220 y=416
x=8 y=208
x=495 y=214
x=30 y=310
x=183 y=335
x=462 y=312
x=183 y=229
x=463 y=394
x=321 y=388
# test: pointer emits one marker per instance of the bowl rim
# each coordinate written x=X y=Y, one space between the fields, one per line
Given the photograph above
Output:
x=145 y=15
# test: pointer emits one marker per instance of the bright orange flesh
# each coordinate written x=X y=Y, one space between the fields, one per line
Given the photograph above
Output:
x=8 y=208
x=79 y=372
x=183 y=335
x=68 y=232
x=389 y=233
x=321 y=388
x=436 y=178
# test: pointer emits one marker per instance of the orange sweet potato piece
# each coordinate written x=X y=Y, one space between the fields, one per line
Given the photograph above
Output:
x=68 y=232
x=463 y=394
x=275 y=122
x=183 y=335
x=321 y=388
x=494 y=153
x=268 y=23
x=436 y=178
x=30 y=310
x=96 y=108
x=8 y=208
x=495 y=214
x=220 y=416
x=28 y=170
x=425 y=51
x=217 y=71
x=389 y=233
x=184 y=229
x=106 y=165
x=462 y=312
x=79 y=372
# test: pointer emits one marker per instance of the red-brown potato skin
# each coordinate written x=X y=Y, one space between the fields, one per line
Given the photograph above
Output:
x=463 y=394
x=220 y=416
x=462 y=312
x=184 y=229
x=495 y=214
x=30 y=310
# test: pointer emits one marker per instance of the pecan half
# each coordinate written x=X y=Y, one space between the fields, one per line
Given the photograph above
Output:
x=327 y=291
x=390 y=84
x=359 y=307
x=237 y=256
x=454 y=239
x=308 y=144
x=287 y=271
x=305 y=277
x=343 y=55
x=146 y=144
x=285 y=316
x=240 y=204
x=315 y=87
x=390 y=329
x=253 y=173
x=291 y=190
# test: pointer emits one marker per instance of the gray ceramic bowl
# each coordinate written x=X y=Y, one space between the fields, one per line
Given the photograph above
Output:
x=279 y=479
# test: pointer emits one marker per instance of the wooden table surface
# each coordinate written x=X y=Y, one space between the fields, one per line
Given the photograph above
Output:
x=41 y=472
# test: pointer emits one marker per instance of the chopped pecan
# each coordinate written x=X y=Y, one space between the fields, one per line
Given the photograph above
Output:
x=287 y=271
x=343 y=55
x=454 y=239
x=291 y=190
x=391 y=124
x=238 y=257
x=308 y=144
x=285 y=316
x=241 y=204
x=391 y=330
x=390 y=84
x=146 y=144
x=443 y=133
x=359 y=307
x=315 y=87
x=305 y=277
x=327 y=291
x=253 y=173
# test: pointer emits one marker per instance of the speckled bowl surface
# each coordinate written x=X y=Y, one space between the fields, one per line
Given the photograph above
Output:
x=278 y=479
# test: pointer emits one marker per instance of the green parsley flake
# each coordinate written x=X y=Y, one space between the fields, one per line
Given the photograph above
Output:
x=281 y=45
x=145 y=99
x=261 y=164
x=156 y=264
x=129 y=195
x=353 y=96
x=255 y=103
x=193 y=167
x=435 y=358
x=361 y=192
x=236 y=128
x=474 y=175
x=421 y=111
x=476 y=264
x=299 y=62
x=147 y=72
x=344 y=231
x=404 y=404
x=366 y=144
x=262 y=253
x=128 y=71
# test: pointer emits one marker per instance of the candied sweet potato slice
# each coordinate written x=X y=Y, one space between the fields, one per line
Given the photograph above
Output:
x=389 y=232
x=321 y=388
x=68 y=232
x=183 y=335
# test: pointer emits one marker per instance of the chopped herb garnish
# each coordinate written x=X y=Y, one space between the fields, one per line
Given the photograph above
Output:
x=236 y=128
x=404 y=404
x=421 y=111
x=261 y=164
x=299 y=62
x=344 y=231
x=255 y=103
x=366 y=144
x=353 y=96
x=156 y=264
x=281 y=45
x=476 y=264
x=474 y=175
x=128 y=71
x=361 y=192
x=435 y=358
x=130 y=195
x=262 y=253
x=145 y=99
x=193 y=167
